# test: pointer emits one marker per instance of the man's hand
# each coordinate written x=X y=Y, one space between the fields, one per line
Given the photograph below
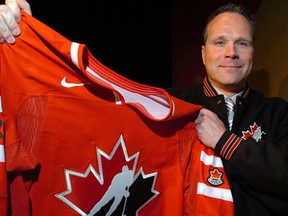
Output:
x=10 y=16
x=209 y=128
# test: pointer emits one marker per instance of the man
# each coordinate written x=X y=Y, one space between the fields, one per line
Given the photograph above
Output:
x=255 y=149
x=180 y=160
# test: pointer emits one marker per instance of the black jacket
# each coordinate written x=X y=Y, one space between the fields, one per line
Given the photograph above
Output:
x=254 y=152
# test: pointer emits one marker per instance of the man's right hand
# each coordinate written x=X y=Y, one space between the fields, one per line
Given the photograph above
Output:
x=209 y=128
x=10 y=16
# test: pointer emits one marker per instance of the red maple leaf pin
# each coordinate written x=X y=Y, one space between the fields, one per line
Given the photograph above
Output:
x=215 y=174
x=215 y=177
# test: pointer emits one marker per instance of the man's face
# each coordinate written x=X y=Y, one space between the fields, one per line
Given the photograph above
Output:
x=228 y=52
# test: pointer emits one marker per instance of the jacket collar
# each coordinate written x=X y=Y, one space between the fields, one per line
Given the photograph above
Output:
x=210 y=91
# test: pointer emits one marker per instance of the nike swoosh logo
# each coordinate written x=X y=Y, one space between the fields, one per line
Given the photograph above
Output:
x=70 y=85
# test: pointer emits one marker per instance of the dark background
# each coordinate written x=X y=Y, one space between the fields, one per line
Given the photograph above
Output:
x=131 y=37
x=154 y=42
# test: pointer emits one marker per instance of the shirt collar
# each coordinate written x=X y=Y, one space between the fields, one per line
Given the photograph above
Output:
x=225 y=96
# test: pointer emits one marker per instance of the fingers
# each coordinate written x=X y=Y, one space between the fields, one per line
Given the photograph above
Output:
x=209 y=128
x=10 y=16
x=14 y=9
x=8 y=25
x=198 y=122
x=200 y=116
x=16 y=6
x=202 y=111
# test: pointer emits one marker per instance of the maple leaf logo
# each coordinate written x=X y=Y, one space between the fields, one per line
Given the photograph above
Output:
x=215 y=174
x=114 y=190
x=215 y=177
x=256 y=132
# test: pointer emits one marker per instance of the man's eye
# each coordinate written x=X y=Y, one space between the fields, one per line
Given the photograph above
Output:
x=219 y=43
x=243 y=44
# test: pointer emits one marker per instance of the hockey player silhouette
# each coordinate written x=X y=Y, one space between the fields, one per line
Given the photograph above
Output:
x=118 y=189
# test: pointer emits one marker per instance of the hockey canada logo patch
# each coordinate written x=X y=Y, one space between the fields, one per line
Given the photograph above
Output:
x=116 y=189
x=215 y=177
x=255 y=132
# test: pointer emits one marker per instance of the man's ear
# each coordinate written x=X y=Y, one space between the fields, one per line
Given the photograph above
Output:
x=203 y=53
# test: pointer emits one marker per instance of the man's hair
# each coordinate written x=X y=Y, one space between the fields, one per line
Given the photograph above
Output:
x=231 y=8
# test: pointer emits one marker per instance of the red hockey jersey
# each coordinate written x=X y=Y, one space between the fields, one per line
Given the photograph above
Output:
x=82 y=140
x=3 y=177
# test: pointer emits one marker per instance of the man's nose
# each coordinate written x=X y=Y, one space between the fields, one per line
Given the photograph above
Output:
x=231 y=51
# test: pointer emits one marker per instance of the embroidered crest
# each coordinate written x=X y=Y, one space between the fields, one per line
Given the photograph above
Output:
x=255 y=132
x=118 y=188
x=215 y=177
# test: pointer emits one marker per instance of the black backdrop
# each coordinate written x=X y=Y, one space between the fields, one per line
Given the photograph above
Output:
x=132 y=37
x=154 y=42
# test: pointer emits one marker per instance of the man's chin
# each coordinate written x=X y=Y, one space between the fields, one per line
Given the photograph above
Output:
x=235 y=86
